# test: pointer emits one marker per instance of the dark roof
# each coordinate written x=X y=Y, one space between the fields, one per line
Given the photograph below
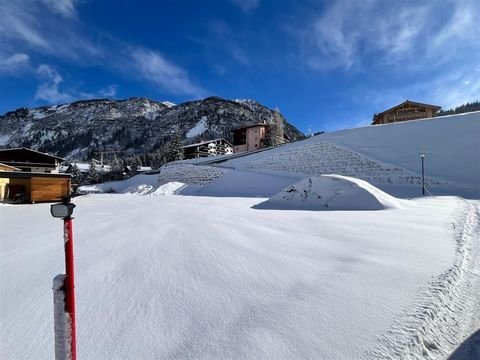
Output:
x=23 y=149
x=206 y=142
x=21 y=154
x=436 y=107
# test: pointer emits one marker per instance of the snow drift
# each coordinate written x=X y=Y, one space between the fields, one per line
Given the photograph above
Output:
x=331 y=192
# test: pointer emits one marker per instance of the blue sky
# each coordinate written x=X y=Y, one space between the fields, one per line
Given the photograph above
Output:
x=324 y=64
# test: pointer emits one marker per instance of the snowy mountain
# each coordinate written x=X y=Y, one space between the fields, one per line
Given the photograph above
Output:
x=82 y=129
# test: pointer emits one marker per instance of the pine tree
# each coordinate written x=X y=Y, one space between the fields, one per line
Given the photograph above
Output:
x=77 y=176
x=134 y=164
x=92 y=175
x=175 y=150
x=275 y=131
x=116 y=171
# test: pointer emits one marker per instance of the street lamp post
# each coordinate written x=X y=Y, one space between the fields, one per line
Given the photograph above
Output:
x=65 y=329
x=422 y=156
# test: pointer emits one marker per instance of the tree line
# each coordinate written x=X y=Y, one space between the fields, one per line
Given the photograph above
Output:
x=468 y=107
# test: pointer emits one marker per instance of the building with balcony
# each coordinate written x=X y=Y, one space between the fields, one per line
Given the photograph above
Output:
x=408 y=110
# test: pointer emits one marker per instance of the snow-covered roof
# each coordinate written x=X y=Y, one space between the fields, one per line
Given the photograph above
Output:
x=85 y=167
x=8 y=167
x=140 y=168
x=206 y=142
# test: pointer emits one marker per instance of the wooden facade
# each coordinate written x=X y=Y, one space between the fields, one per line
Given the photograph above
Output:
x=18 y=186
x=408 y=110
x=31 y=176
x=207 y=148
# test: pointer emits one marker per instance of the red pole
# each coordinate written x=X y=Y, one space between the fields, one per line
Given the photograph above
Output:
x=69 y=284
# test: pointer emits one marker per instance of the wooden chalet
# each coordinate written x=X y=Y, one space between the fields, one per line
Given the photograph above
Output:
x=207 y=148
x=30 y=160
x=408 y=110
x=31 y=176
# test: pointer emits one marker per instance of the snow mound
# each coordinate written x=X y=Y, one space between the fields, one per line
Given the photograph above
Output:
x=142 y=189
x=170 y=188
x=331 y=192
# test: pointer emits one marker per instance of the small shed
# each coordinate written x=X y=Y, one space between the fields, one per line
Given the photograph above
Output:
x=20 y=186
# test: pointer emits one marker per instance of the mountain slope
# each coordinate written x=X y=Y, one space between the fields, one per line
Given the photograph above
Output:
x=133 y=126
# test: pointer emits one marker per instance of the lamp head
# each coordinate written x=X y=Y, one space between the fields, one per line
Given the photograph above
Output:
x=62 y=210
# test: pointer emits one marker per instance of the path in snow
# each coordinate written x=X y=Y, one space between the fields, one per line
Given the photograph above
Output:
x=447 y=308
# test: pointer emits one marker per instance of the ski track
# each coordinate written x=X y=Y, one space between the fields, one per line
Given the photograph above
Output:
x=442 y=310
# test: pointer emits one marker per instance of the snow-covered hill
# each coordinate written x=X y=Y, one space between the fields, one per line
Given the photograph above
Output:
x=273 y=258
x=386 y=156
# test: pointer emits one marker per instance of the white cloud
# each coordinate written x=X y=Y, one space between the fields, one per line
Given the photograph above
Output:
x=247 y=5
x=18 y=22
x=456 y=89
x=34 y=26
x=109 y=92
x=51 y=27
x=447 y=90
x=14 y=62
x=155 y=68
x=406 y=32
x=462 y=26
x=49 y=89
x=65 y=8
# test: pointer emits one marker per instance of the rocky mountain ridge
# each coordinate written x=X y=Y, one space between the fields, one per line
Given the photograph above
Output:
x=130 y=127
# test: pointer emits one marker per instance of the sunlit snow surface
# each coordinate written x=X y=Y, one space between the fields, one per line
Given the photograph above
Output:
x=189 y=277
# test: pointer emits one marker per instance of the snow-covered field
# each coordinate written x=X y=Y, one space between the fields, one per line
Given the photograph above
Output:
x=267 y=260
x=180 y=277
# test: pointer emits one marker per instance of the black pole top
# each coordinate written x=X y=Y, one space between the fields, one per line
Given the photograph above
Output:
x=66 y=200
